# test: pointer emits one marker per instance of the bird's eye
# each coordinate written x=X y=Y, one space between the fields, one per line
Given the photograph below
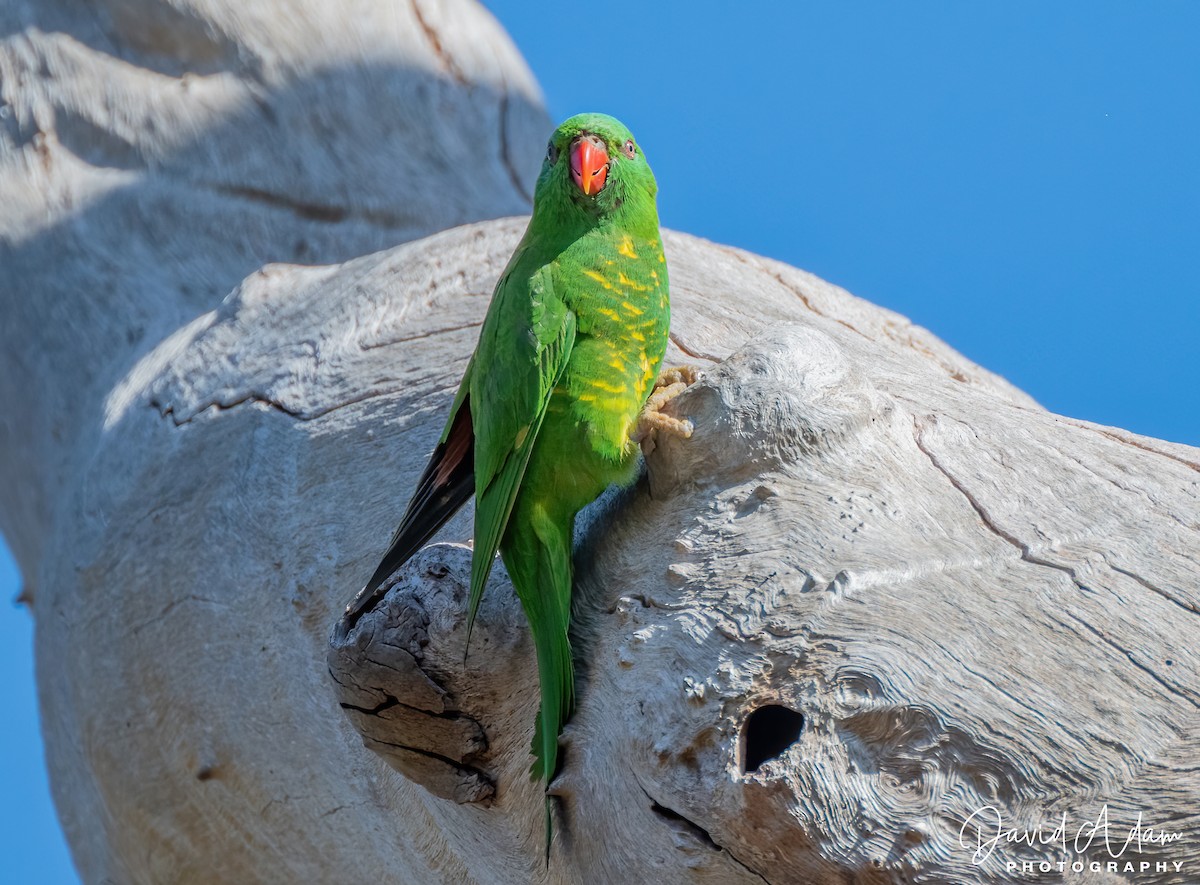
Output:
x=552 y=153
x=630 y=149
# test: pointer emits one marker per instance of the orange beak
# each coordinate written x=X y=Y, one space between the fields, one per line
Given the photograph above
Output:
x=589 y=164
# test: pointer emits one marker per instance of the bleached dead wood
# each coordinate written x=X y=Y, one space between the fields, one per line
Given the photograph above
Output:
x=969 y=601
x=155 y=152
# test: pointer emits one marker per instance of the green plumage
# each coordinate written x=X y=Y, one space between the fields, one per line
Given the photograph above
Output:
x=569 y=352
x=567 y=356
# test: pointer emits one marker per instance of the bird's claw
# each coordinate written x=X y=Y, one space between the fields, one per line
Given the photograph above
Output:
x=687 y=375
x=652 y=421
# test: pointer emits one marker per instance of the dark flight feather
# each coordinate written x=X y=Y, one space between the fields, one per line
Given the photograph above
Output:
x=445 y=485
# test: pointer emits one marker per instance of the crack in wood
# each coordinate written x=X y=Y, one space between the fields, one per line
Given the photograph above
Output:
x=985 y=517
x=506 y=154
x=1129 y=490
x=169 y=411
x=799 y=293
x=1025 y=550
x=274 y=405
x=391 y=703
x=1112 y=643
x=435 y=41
x=437 y=757
x=694 y=353
x=701 y=834
x=1129 y=441
x=1183 y=604
x=319 y=212
x=1028 y=556
x=980 y=510
x=444 y=330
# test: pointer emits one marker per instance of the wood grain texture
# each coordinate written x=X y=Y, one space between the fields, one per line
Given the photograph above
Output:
x=153 y=153
x=973 y=604
x=969 y=600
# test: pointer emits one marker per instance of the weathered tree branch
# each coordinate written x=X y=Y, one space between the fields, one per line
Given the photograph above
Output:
x=878 y=589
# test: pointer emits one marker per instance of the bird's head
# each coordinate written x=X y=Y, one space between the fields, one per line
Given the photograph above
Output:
x=593 y=170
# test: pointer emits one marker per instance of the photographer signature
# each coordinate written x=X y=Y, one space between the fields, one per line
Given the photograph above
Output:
x=990 y=830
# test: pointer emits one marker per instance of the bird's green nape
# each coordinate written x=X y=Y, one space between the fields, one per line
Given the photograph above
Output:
x=568 y=353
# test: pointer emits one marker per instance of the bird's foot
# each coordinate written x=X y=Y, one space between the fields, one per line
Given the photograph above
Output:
x=652 y=421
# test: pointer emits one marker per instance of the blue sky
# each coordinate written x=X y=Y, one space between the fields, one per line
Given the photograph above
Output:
x=31 y=842
x=1022 y=178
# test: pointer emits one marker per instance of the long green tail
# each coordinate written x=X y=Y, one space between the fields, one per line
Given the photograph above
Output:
x=537 y=554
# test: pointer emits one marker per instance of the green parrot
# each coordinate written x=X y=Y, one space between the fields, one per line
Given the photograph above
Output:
x=547 y=414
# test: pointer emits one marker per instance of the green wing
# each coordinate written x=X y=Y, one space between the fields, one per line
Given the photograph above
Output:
x=524 y=347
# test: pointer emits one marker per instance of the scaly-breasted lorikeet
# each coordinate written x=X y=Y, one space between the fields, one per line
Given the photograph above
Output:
x=567 y=356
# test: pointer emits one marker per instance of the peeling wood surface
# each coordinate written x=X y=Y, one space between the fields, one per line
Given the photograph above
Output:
x=969 y=600
x=972 y=603
x=153 y=153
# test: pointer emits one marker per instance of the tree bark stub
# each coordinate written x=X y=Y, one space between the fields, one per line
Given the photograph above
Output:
x=913 y=563
x=403 y=676
x=877 y=588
